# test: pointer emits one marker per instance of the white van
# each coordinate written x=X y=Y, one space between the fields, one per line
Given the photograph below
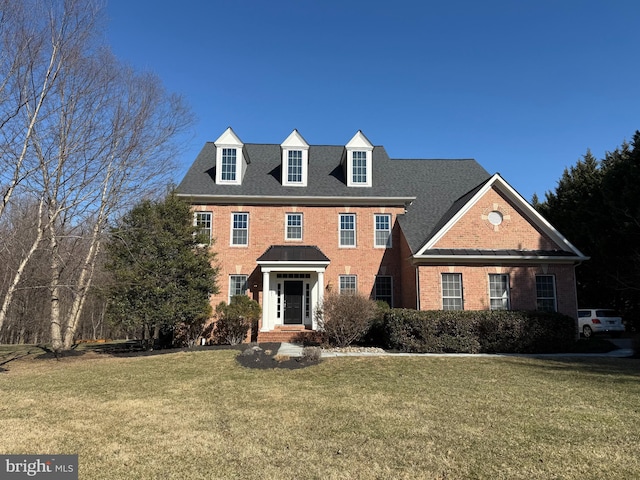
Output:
x=594 y=320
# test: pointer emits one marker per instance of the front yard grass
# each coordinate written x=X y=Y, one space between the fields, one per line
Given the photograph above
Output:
x=197 y=415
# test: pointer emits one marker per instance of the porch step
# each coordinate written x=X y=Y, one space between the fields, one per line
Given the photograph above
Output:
x=299 y=335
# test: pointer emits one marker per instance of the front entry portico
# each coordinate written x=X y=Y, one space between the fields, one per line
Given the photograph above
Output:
x=292 y=286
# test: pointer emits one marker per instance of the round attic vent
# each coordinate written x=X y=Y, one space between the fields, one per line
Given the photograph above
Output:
x=495 y=217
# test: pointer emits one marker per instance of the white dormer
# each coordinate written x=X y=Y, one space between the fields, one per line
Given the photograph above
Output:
x=359 y=165
x=295 y=160
x=230 y=159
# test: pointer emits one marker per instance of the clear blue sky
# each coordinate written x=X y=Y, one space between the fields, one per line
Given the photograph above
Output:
x=522 y=86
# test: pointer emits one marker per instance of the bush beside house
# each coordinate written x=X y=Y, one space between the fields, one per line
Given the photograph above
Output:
x=477 y=331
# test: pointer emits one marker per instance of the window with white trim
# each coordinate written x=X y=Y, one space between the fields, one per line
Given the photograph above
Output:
x=347 y=229
x=546 y=293
x=293 y=229
x=230 y=158
x=382 y=230
x=383 y=289
x=499 y=292
x=348 y=284
x=229 y=165
x=202 y=222
x=359 y=168
x=359 y=161
x=237 y=285
x=452 y=291
x=240 y=229
x=294 y=166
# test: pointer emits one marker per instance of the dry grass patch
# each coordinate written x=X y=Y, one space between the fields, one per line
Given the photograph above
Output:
x=193 y=415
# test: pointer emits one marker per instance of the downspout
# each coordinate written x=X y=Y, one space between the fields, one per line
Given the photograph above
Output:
x=417 y=287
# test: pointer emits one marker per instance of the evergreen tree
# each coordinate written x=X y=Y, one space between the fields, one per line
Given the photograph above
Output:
x=596 y=205
x=163 y=276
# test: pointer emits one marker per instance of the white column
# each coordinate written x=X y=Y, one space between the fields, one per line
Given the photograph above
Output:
x=320 y=286
x=266 y=321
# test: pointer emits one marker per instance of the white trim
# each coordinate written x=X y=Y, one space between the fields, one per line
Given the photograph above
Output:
x=355 y=231
x=499 y=298
x=246 y=281
x=359 y=143
x=531 y=213
x=241 y=245
x=229 y=140
x=350 y=275
x=286 y=227
x=295 y=142
x=203 y=199
x=195 y=222
x=389 y=243
x=491 y=259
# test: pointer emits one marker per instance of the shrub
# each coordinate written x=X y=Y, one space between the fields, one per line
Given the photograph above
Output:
x=235 y=319
x=374 y=336
x=345 y=318
x=478 y=331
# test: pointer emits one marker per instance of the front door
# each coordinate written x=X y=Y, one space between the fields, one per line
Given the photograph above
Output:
x=293 y=303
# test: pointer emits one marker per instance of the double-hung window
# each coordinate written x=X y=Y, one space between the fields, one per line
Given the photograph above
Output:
x=240 y=229
x=382 y=230
x=452 y=291
x=202 y=221
x=347 y=229
x=228 y=165
x=384 y=289
x=294 y=226
x=359 y=167
x=294 y=166
x=499 y=292
x=348 y=284
x=546 y=293
x=237 y=285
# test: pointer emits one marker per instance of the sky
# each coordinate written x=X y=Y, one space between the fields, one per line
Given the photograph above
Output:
x=525 y=87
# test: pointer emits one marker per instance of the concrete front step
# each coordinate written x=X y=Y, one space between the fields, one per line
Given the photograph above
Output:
x=288 y=335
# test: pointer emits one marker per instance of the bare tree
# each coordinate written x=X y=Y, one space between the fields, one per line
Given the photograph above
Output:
x=104 y=136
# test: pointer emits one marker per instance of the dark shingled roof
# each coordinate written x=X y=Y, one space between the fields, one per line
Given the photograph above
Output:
x=438 y=185
x=293 y=253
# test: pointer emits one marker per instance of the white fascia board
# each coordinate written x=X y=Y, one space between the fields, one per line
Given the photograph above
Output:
x=229 y=138
x=284 y=266
x=204 y=199
x=359 y=142
x=294 y=142
x=502 y=259
x=516 y=198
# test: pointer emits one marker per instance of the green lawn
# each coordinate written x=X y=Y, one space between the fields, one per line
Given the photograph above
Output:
x=197 y=415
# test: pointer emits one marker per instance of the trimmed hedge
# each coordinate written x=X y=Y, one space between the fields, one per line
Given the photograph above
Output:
x=483 y=331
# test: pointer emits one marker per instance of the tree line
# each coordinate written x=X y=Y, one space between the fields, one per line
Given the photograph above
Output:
x=596 y=205
x=83 y=137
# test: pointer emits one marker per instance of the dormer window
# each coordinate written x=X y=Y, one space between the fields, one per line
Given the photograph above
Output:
x=231 y=161
x=294 y=166
x=359 y=167
x=229 y=165
x=358 y=159
x=295 y=160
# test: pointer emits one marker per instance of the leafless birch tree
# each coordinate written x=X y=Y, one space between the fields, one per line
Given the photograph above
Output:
x=103 y=137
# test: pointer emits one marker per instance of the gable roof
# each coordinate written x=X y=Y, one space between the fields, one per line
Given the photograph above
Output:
x=565 y=250
x=426 y=188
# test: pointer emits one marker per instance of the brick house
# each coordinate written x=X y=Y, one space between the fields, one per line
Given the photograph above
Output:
x=293 y=221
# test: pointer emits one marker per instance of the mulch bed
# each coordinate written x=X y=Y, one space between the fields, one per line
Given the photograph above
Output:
x=265 y=356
